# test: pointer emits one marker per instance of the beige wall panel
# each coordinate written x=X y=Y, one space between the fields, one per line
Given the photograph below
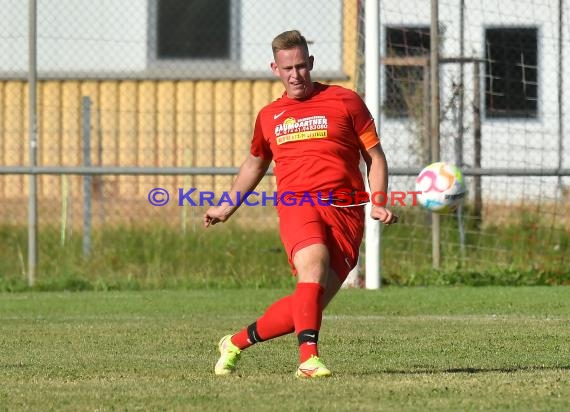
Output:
x=185 y=145
x=3 y=153
x=72 y=137
x=277 y=90
x=71 y=124
x=107 y=131
x=350 y=43
x=90 y=89
x=263 y=94
x=204 y=132
x=184 y=137
x=15 y=138
x=166 y=126
x=223 y=132
x=128 y=133
x=148 y=153
x=244 y=121
x=25 y=137
x=50 y=136
x=107 y=124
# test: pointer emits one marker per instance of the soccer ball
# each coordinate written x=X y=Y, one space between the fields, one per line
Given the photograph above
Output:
x=442 y=187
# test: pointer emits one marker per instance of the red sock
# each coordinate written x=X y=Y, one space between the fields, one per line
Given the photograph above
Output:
x=307 y=316
x=276 y=321
x=241 y=339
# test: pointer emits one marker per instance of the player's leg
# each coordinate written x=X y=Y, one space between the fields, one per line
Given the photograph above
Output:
x=300 y=227
x=334 y=284
x=276 y=321
x=344 y=229
x=321 y=259
x=312 y=265
x=229 y=356
x=300 y=312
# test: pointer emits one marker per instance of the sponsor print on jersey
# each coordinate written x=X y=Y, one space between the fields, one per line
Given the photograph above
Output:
x=292 y=130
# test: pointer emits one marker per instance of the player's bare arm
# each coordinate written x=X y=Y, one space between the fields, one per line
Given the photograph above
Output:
x=250 y=174
x=377 y=168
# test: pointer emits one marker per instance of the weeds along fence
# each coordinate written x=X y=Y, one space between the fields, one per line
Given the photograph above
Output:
x=100 y=230
x=146 y=94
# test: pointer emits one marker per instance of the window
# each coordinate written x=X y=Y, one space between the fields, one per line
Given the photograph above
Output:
x=404 y=81
x=193 y=37
x=230 y=39
x=193 y=29
x=511 y=72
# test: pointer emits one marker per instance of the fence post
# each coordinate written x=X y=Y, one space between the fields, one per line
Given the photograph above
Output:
x=33 y=143
x=87 y=187
x=435 y=112
x=478 y=200
x=372 y=98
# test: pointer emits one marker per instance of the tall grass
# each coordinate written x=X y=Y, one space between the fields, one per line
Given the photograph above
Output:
x=519 y=252
x=146 y=256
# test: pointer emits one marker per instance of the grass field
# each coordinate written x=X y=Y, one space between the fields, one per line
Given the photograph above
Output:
x=397 y=349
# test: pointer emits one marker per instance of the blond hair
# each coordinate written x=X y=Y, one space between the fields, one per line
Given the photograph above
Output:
x=289 y=40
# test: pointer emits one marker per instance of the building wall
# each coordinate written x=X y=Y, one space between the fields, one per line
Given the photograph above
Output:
x=506 y=143
x=177 y=120
x=84 y=38
x=141 y=122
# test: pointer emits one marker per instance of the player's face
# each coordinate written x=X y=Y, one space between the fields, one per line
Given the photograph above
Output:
x=293 y=67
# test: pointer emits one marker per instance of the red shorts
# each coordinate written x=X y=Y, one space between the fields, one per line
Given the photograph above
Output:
x=339 y=228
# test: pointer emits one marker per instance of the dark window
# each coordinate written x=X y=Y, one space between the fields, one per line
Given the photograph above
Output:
x=193 y=29
x=404 y=81
x=511 y=72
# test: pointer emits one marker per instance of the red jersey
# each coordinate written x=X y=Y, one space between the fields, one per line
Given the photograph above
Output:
x=315 y=142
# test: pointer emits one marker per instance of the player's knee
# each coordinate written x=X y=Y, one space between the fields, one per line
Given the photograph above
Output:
x=313 y=272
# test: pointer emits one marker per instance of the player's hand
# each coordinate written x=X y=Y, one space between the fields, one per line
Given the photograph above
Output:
x=383 y=215
x=215 y=214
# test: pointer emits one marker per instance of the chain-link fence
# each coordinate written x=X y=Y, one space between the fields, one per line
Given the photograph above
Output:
x=502 y=92
x=164 y=94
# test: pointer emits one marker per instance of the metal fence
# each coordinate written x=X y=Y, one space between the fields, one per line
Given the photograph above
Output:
x=126 y=97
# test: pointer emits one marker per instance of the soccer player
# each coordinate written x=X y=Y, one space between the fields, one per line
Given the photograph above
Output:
x=315 y=134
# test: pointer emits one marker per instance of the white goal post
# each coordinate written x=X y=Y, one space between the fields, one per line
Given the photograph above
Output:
x=372 y=99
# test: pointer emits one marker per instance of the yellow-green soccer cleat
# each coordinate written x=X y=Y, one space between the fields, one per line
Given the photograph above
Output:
x=313 y=368
x=229 y=355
